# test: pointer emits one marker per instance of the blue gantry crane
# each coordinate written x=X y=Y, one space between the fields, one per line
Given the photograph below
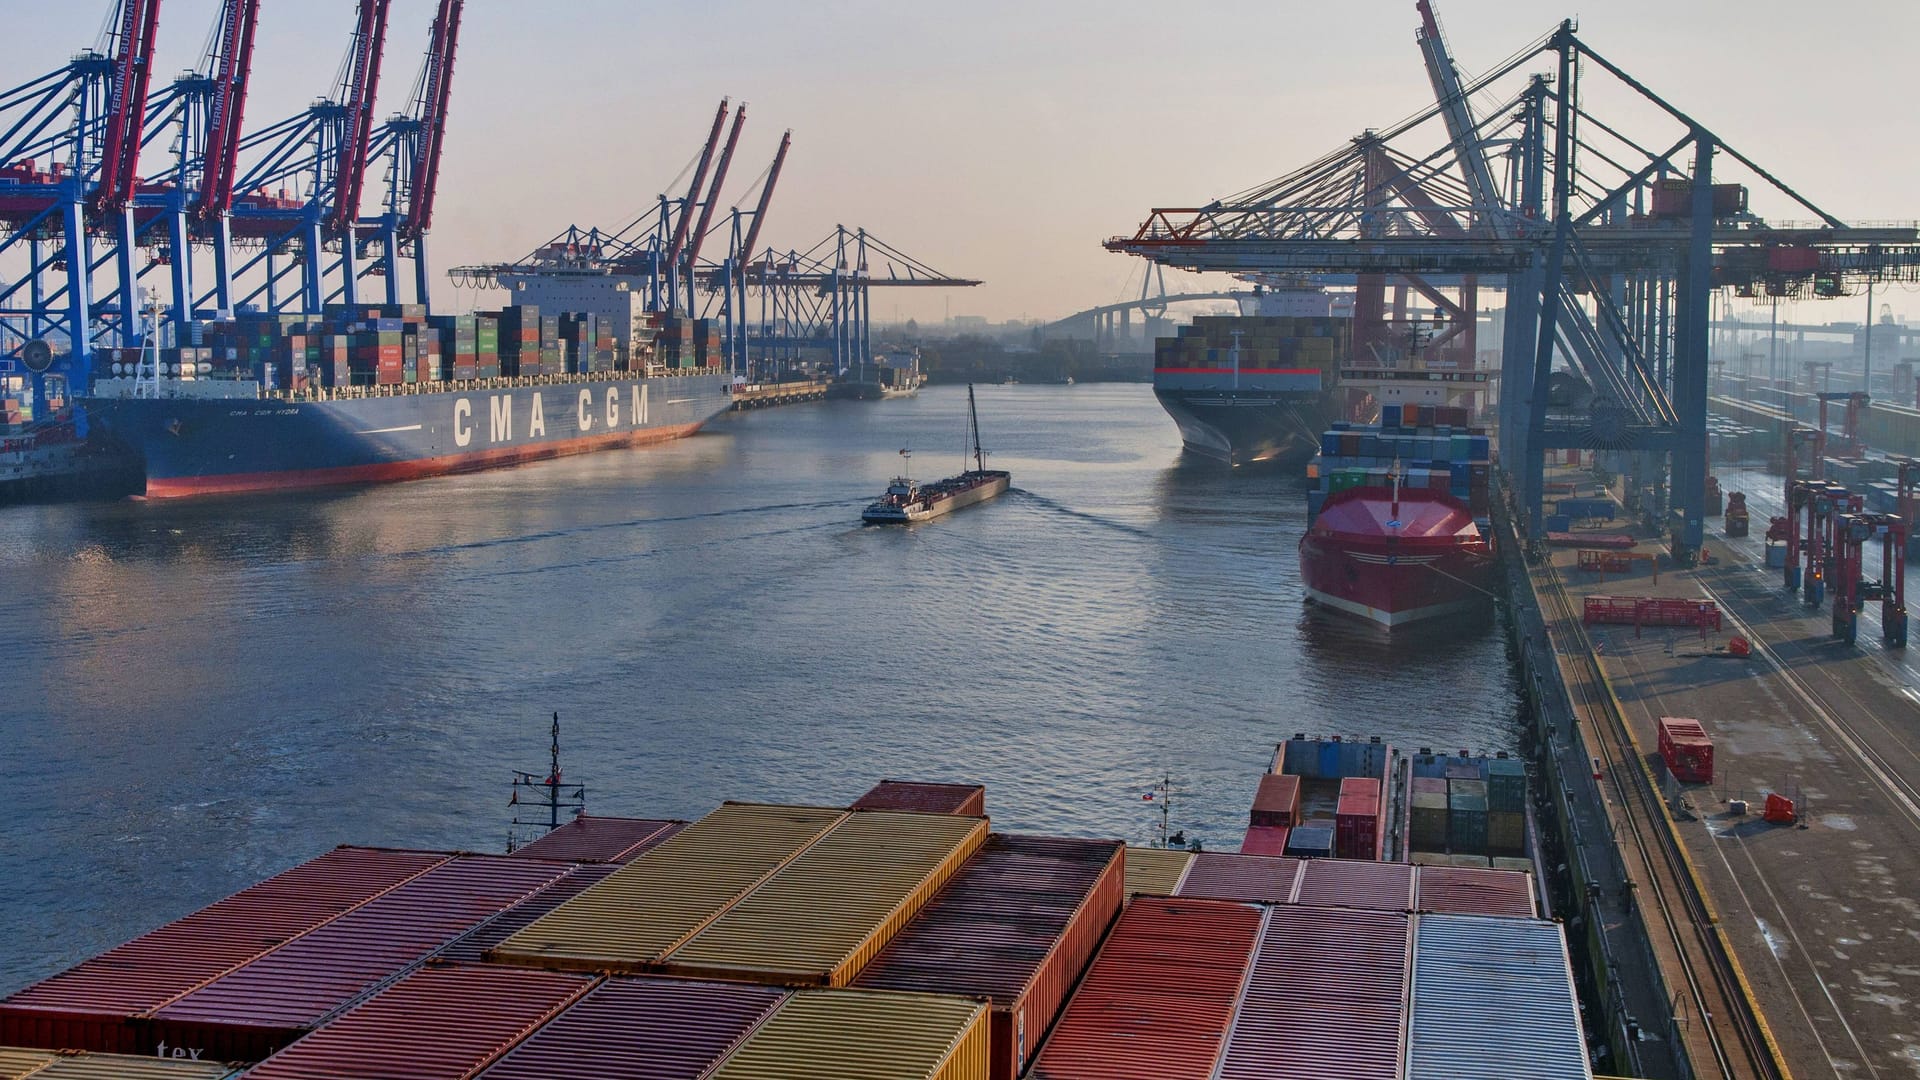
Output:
x=1610 y=248
x=198 y=118
x=69 y=153
x=297 y=204
x=406 y=150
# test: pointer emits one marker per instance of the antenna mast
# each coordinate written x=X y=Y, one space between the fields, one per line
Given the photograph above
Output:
x=979 y=458
x=543 y=792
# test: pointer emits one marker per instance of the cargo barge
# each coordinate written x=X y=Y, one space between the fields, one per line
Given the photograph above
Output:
x=899 y=936
x=906 y=502
x=366 y=398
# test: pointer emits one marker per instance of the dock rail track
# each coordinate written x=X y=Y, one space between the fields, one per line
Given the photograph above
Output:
x=1729 y=1019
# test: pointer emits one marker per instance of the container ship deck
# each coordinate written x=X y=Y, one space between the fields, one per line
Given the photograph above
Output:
x=899 y=936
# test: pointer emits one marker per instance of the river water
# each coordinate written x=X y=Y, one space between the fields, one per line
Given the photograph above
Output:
x=200 y=694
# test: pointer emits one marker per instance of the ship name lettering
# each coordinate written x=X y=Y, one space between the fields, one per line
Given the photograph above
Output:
x=640 y=405
x=500 y=411
x=537 y=419
x=183 y=1052
x=462 y=422
x=586 y=402
x=613 y=406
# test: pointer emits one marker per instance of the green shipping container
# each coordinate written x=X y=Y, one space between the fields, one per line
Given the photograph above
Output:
x=865 y=1035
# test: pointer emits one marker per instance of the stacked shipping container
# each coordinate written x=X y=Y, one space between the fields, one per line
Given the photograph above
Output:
x=966 y=800
x=1159 y=998
x=1156 y=871
x=1431 y=447
x=1493 y=997
x=1016 y=927
x=641 y=1029
x=99 y=1004
x=600 y=839
x=37 y=1065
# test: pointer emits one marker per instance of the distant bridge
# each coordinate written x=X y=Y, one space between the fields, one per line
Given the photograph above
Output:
x=1113 y=323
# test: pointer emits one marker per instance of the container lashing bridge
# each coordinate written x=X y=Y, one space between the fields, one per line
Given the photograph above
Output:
x=1610 y=238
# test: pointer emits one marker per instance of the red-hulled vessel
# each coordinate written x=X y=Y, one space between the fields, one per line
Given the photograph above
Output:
x=1395 y=555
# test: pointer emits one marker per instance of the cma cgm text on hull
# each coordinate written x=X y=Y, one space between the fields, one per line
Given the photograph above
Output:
x=226 y=437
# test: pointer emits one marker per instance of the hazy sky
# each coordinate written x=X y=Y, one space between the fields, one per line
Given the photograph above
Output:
x=1005 y=140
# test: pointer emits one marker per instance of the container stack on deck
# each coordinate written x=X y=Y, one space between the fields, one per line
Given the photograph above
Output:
x=399 y=344
x=1266 y=343
x=1432 y=446
x=781 y=942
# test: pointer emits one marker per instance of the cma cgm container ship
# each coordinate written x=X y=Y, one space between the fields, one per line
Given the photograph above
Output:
x=1257 y=387
x=384 y=399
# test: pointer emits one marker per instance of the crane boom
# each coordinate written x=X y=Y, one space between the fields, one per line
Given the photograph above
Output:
x=234 y=66
x=766 y=196
x=127 y=108
x=363 y=85
x=439 y=89
x=1458 y=114
x=679 y=242
x=713 y=193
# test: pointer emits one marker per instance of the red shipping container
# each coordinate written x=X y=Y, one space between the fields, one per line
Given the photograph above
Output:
x=641 y=1029
x=1356 y=827
x=91 y=1006
x=590 y=839
x=1685 y=748
x=1277 y=801
x=262 y=1006
x=1159 y=998
x=1466 y=890
x=1264 y=840
x=1383 y=886
x=1216 y=876
x=436 y=1024
x=1326 y=998
x=1017 y=925
x=963 y=800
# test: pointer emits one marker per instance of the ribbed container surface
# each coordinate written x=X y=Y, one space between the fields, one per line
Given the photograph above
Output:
x=1264 y=840
x=1353 y=883
x=1017 y=925
x=640 y=1029
x=865 y=1035
x=472 y=947
x=1156 y=871
x=966 y=800
x=1217 y=876
x=650 y=906
x=820 y=918
x=298 y=984
x=1493 y=998
x=1458 y=890
x=129 y=1067
x=83 y=1007
x=599 y=840
x=440 y=1023
x=1326 y=999
x=15 y=1062
x=1160 y=995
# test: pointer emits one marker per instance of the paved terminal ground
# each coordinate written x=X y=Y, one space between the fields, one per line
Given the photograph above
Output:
x=1823 y=916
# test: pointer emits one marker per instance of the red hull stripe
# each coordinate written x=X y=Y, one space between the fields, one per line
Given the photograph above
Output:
x=1229 y=371
x=175 y=487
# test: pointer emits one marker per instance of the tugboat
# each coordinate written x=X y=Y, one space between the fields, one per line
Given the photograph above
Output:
x=906 y=501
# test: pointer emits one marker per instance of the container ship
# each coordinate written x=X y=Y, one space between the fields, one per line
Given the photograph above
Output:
x=899 y=936
x=1258 y=387
x=383 y=392
x=1398 y=529
x=905 y=501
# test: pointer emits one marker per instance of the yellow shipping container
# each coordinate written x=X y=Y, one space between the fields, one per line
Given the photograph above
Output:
x=865 y=1035
x=652 y=905
x=15 y=1064
x=1155 y=871
x=822 y=917
x=121 y=1067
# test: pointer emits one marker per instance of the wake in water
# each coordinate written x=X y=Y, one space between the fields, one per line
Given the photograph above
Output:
x=1047 y=504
